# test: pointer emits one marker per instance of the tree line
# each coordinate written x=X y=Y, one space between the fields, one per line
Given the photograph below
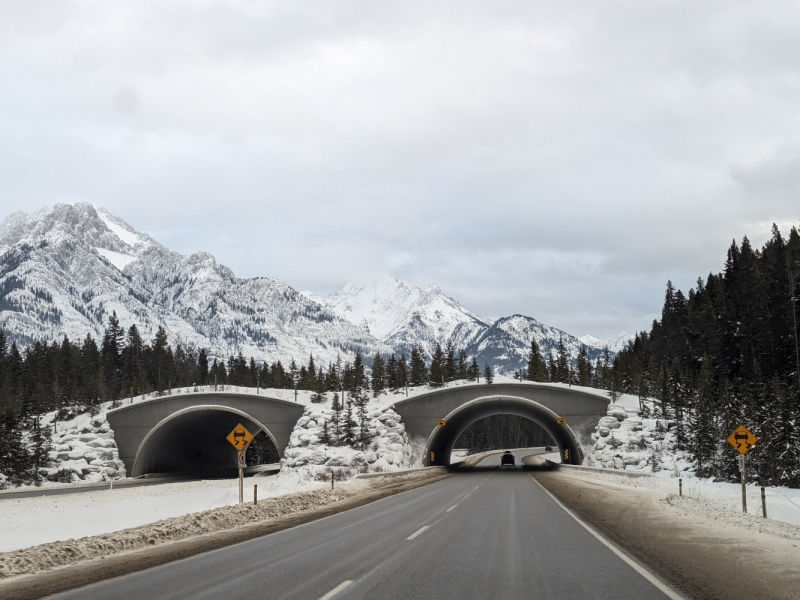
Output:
x=728 y=354
x=71 y=378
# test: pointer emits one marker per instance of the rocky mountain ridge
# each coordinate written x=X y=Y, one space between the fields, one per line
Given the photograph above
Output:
x=65 y=269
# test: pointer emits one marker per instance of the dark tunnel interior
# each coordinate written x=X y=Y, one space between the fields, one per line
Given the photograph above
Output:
x=194 y=443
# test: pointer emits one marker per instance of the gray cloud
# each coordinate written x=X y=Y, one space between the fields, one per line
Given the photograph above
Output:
x=561 y=160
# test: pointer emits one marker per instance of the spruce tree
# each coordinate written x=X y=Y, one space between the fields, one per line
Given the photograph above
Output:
x=537 y=369
x=450 y=373
x=418 y=373
x=402 y=371
x=437 y=367
x=488 y=374
x=474 y=370
x=202 y=367
x=378 y=374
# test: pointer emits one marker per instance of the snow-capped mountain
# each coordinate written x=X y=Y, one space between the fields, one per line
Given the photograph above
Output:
x=401 y=314
x=615 y=343
x=506 y=344
x=63 y=270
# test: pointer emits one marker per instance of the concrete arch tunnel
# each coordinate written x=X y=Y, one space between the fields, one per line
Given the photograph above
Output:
x=443 y=438
x=193 y=440
x=185 y=433
x=462 y=405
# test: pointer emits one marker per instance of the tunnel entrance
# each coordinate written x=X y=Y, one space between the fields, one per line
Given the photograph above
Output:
x=192 y=442
x=502 y=432
x=444 y=437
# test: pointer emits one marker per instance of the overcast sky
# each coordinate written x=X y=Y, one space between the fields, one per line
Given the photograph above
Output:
x=556 y=159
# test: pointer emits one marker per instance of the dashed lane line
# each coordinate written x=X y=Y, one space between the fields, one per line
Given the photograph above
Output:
x=336 y=590
x=451 y=508
x=416 y=533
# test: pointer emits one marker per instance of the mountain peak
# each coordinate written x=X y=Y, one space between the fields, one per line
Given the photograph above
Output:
x=615 y=343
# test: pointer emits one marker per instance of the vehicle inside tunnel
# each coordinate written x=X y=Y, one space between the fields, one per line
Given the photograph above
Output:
x=450 y=429
x=193 y=442
x=499 y=432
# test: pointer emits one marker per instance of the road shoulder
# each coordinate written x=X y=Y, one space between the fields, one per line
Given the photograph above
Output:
x=700 y=557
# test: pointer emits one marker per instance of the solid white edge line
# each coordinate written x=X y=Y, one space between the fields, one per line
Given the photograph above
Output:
x=451 y=508
x=336 y=590
x=417 y=532
x=663 y=587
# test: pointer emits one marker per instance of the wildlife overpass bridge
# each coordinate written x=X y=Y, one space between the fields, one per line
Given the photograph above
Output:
x=186 y=432
x=568 y=414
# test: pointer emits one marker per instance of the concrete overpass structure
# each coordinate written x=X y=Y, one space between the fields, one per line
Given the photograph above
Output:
x=186 y=432
x=461 y=406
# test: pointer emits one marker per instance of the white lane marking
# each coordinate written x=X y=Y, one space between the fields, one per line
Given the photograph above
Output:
x=336 y=590
x=477 y=486
x=668 y=591
x=451 y=508
x=416 y=533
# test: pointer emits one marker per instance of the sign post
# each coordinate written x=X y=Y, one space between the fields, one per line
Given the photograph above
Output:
x=742 y=439
x=239 y=439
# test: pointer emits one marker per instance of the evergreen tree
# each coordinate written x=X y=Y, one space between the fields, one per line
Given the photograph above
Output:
x=488 y=374
x=378 y=374
x=584 y=368
x=462 y=368
x=437 y=367
x=537 y=368
x=391 y=373
x=402 y=371
x=202 y=367
x=474 y=370
x=419 y=373
x=450 y=373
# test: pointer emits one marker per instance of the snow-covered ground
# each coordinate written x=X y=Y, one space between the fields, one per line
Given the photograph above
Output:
x=84 y=450
x=27 y=522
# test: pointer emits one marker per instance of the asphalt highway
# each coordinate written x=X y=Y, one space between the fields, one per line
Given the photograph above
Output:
x=487 y=532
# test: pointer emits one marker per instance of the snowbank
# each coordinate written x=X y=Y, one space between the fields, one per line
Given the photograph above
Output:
x=30 y=521
x=624 y=440
x=388 y=448
x=717 y=500
x=74 y=551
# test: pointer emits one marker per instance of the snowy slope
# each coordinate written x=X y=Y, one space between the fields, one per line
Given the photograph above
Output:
x=506 y=344
x=402 y=315
x=615 y=344
x=64 y=270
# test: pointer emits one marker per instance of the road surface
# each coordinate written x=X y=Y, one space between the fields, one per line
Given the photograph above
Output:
x=487 y=532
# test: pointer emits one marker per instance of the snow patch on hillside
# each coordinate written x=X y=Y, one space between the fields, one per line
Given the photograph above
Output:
x=117 y=259
x=614 y=344
x=128 y=236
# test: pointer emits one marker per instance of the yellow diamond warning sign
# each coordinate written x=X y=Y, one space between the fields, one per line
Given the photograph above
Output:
x=239 y=437
x=742 y=439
